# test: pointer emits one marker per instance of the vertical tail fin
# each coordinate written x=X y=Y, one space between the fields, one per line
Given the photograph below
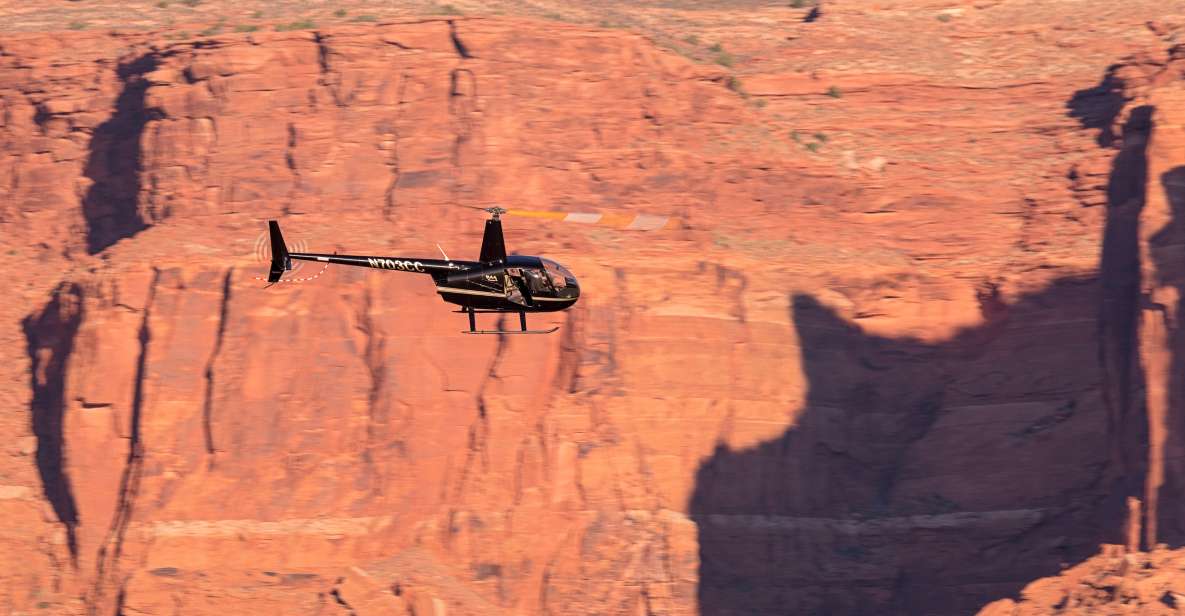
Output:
x=281 y=262
x=493 y=248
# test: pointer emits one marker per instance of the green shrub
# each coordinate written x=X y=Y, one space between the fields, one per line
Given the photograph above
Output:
x=303 y=24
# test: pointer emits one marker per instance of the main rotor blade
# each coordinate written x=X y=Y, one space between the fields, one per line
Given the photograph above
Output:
x=623 y=221
x=629 y=222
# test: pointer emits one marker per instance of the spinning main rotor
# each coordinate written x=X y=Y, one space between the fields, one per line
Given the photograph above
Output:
x=626 y=222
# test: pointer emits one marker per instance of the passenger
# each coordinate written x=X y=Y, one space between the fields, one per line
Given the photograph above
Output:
x=537 y=282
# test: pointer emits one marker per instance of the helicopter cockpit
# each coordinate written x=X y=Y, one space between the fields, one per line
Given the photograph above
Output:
x=551 y=280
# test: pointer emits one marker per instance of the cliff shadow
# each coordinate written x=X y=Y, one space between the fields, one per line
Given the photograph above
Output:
x=918 y=478
x=50 y=341
x=1097 y=107
x=1166 y=248
x=111 y=204
x=933 y=478
x=1119 y=308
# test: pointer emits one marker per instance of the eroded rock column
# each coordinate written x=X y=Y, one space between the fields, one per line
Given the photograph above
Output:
x=1161 y=343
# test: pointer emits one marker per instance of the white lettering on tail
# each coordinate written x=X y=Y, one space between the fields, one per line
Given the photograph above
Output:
x=395 y=264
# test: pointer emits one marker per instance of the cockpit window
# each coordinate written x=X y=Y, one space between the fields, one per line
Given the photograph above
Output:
x=557 y=273
x=536 y=281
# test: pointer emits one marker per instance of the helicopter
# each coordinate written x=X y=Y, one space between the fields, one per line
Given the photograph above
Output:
x=495 y=283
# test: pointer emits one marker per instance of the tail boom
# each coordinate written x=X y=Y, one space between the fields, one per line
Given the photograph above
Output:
x=281 y=260
x=398 y=264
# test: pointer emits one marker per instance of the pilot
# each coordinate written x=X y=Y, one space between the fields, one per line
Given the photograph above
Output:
x=555 y=274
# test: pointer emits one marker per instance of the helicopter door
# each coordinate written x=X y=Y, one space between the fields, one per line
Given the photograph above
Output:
x=511 y=282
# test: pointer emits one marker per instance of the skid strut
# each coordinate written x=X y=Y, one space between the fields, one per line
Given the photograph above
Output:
x=522 y=321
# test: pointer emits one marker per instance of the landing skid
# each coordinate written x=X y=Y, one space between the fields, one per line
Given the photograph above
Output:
x=522 y=319
x=510 y=331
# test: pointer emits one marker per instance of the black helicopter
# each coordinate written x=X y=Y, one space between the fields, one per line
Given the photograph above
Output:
x=495 y=283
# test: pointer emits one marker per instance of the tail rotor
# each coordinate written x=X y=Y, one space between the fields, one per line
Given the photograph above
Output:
x=271 y=248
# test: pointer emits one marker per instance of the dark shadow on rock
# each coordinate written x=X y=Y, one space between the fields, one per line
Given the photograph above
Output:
x=919 y=478
x=1097 y=107
x=111 y=204
x=50 y=340
x=1167 y=250
x=933 y=478
x=1119 y=309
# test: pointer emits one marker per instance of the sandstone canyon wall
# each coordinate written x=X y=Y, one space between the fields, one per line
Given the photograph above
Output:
x=879 y=378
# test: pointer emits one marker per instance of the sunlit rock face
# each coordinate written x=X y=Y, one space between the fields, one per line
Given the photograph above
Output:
x=832 y=385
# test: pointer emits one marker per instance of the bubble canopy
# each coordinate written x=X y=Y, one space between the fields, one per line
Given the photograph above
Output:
x=560 y=276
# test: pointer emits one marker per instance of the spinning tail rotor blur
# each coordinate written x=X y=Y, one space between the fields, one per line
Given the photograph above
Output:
x=270 y=248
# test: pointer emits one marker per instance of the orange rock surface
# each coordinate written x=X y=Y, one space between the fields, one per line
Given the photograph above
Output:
x=1113 y=582
x=911 y=348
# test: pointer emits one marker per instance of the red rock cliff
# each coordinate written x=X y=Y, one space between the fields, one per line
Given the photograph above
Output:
x=836 y=387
